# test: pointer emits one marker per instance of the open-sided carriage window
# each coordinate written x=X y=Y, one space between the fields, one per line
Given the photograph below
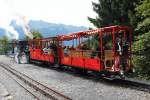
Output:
x=84 y=43
x=66 y=46
x=90 y=46
x=60 y=43
x=95 y=46
x=37 y=44
x=107 y=41
x=48 y=44
x=43 y=44
x=33 y=44
x=94 y=42
x=107 y=46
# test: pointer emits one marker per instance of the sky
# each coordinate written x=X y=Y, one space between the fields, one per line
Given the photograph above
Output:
x=70 y=12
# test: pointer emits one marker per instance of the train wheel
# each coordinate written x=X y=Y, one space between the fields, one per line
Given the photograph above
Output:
x=30 y=61
x=82 y=71
x=50 y=64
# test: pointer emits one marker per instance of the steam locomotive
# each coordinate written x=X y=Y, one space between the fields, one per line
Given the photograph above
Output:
x=104 y=50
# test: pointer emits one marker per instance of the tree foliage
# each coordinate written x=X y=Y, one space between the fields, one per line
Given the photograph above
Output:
x=143 y=15
x=142 y=44
x=134 y=13
x=36 y=35
x=4 y=45
x=112 y=12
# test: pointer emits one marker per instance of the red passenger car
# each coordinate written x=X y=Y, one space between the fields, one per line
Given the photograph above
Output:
x=104 y=49
x=42 y=49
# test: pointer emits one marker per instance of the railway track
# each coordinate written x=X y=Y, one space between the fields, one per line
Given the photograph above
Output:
x=126 y=83
x=33 y=87
x=135 y=84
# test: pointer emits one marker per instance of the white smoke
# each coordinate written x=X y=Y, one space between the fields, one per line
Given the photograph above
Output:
x=23 y=22
x=5 y=20
x=12 y=33
x=7 y=16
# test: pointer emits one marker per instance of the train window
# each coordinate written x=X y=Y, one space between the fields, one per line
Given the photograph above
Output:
x=33 y=43
x=90 y=43
x=67 y=43
x=84 y=43
x=107 y=41
x=43 y=44
x=109 y=63
x=36 y=44
x=91 y=46
x=66 y=46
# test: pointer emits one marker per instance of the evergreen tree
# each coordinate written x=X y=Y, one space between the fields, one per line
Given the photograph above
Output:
x=4 y=45
x=142 y=44
x=36 y=35
x=143 y=16
x=113 y=12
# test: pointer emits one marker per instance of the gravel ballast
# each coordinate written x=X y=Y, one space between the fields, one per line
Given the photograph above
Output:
x=10 y=89
x=73 y=86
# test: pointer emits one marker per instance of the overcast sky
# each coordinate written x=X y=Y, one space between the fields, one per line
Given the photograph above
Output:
x=71 y=12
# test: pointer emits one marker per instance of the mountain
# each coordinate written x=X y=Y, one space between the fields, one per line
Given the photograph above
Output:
x=47 y=29
x=2 y=31
x=51 y=29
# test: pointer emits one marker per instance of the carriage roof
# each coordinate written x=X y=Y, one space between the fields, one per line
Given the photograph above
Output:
x=87 y=33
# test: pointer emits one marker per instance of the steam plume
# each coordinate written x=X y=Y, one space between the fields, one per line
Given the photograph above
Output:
x=23 y=22
x=5 y=20
x=7 y=16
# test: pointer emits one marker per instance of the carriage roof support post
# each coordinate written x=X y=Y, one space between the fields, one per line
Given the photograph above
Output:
x=76 y=41
x=73 y=42
x=88 y=41
x=113 y=50
x=101 y=47
x=124 y=34
x=130 y=33
x=40 y=44
x=79 y=40
x=61 y=42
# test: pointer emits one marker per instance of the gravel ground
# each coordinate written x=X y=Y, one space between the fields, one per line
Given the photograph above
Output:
x=10 y=90
x=74 y=86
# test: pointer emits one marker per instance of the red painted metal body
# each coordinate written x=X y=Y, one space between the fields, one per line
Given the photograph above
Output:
x=82 y=58
x=81 y=61
x=37 y=52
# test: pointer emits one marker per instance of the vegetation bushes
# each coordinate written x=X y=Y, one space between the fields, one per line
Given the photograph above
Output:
x=141 y=46
x=4 y=45
x=36 y=35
